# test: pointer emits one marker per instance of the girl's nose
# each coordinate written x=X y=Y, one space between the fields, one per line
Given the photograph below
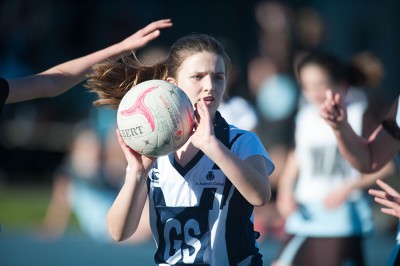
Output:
x=208 y=83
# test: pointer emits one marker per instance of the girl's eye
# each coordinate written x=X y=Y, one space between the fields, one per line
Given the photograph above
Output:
x=197 y=77
x=219 y=77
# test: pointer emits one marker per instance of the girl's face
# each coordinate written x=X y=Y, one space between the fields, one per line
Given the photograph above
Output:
x=202 y=76
x=315 y=81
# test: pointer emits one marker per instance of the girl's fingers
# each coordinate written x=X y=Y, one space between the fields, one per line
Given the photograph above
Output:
x=395 y=213
x=196 y=112
x=386 y=203
x=160 y=24
x=387 y=188
x=201 y=107
x=377 y=193
x=329 y=95
x=120 y=139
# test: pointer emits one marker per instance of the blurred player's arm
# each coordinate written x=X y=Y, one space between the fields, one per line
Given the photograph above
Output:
x=59 y=209
x=336 y=197
x=366 y=155
x=286 y=202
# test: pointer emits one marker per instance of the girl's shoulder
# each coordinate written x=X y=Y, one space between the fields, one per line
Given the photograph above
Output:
x=234 y=132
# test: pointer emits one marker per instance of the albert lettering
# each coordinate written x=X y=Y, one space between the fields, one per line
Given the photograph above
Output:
x=131 y=132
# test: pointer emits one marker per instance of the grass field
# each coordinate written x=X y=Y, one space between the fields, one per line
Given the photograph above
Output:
x=23 y=207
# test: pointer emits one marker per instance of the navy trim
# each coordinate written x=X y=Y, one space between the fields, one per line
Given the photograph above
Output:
x=240 y=236
x=183 y=170
x=158 y=197
x=207 y=198
x=228 y=183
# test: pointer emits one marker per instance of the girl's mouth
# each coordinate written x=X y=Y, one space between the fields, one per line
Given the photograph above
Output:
x=208 y=100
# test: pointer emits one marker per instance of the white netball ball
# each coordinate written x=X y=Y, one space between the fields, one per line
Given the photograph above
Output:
x=155 y=118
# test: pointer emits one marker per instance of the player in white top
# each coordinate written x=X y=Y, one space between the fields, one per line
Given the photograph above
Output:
x=202 y=196
x=369 y=155
x=319 y=193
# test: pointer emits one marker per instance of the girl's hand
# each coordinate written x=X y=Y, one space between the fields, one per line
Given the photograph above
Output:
x=333 y=110
x=204 y=130
x=286 y=203
x=145 y=35
x=338 y=196
x=387 y=197
x=137 y=163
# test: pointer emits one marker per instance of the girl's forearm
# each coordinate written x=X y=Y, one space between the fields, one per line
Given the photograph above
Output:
x=124 y=215
x=252 y=183
x=354 y=148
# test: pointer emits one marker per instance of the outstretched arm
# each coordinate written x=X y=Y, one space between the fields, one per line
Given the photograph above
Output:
x=60 y=78
x=366 y=155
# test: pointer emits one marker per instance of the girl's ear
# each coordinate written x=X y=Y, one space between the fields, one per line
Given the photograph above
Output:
x=171 y=80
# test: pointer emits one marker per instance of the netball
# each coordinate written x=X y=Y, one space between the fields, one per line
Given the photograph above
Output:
x=155 y=118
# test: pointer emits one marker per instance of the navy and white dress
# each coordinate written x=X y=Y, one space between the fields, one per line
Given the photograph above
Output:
x=196 y=215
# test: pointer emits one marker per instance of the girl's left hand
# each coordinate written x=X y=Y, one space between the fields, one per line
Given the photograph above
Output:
x=388 y=197
x=204 y=130
x=337 y=196
x=145 y=35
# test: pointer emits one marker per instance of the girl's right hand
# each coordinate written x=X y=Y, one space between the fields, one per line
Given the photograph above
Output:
x=333 y=110
x=137 y=163
x=286 y=203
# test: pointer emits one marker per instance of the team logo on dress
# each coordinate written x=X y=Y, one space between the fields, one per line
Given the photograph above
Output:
x=210 y=175
x=154 y=176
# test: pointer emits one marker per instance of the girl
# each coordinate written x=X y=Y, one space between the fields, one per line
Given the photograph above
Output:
x=371 y=154
x=319 y=193
x=202 y=196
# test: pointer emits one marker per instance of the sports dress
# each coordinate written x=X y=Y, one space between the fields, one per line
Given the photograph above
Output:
x=321 y=170
x=393 y=128
x=196 y=215
x=4 y=90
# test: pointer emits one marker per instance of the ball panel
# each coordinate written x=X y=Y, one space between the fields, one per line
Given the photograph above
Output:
x=172 y=117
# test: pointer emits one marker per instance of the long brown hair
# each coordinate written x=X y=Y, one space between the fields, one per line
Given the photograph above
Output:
x=111 y=80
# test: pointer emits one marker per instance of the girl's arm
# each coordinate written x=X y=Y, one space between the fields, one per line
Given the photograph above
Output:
x=249 y=176
x=60 y=78
x=382 y=145
x=339 y=195
x=124 y=215
x=366 y=155
x=286 y=202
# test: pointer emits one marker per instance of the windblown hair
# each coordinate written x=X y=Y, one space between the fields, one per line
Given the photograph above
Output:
x=112 y=80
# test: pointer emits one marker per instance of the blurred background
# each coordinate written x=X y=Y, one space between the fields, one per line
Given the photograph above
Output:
x=58 y=162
